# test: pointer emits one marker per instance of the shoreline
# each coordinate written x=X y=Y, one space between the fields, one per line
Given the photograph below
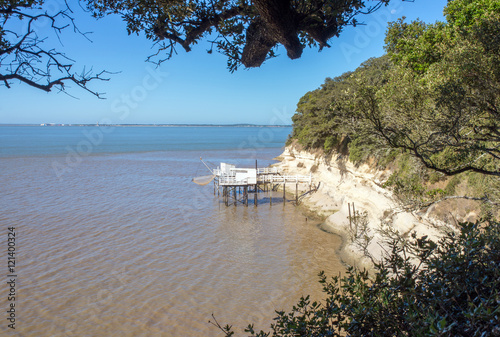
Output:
x=340 y=183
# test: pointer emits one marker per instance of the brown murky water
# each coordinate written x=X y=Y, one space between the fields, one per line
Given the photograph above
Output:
x=126 y=245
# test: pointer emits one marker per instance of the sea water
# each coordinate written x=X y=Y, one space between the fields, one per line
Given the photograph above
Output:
x=113 y=239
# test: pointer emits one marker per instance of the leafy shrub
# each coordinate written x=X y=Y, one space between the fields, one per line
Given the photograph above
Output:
x=452 y=184
x=359 y=151
x=387 y=157
x=434 y=177
x=330 y=143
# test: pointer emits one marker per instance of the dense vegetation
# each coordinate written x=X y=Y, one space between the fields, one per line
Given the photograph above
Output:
x=430 y=107
x=429 y=110
x=436 y=94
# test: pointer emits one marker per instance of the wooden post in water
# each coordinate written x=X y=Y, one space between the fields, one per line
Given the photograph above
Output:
x=350 y=221
x=245 y=195
x=234 y=194
x=256 y=172
x=284 y=193
x=355 y=219
x=255 y=198
x=297 y=193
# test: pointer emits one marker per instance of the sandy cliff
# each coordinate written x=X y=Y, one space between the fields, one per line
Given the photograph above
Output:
x=339 y=182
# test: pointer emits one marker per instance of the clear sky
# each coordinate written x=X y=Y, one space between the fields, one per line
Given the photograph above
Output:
x=196 y=87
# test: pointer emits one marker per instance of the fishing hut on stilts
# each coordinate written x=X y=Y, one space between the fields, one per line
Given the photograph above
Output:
x=236 y=184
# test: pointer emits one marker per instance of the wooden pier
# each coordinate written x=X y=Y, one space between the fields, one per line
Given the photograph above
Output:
x=235 y=184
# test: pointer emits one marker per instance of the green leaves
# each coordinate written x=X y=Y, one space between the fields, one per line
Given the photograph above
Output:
x=439 y=98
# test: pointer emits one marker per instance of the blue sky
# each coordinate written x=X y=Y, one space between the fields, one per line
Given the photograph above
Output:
x=196 y=87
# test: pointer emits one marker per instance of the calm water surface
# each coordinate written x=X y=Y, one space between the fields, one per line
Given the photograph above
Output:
x=113 y=238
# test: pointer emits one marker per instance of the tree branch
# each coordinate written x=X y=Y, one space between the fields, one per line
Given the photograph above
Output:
x=23 y=57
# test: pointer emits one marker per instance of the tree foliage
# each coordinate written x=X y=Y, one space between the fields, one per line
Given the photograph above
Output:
x=452 y=97
x=438 y=97
x=24 y=54
x=247 y=32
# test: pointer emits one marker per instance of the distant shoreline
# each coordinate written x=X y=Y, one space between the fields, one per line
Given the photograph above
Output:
x=152 y=125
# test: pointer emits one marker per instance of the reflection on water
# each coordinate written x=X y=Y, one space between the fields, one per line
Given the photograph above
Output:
x=126 y=245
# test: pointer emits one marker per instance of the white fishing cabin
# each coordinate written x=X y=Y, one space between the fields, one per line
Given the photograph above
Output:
x=239 y=182
x=229 y=174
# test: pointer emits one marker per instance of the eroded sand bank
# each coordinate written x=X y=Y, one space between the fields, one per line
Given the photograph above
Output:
x=338 y=183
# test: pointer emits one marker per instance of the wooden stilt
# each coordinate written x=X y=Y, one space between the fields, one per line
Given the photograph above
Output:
x=255 y=198
x=296 y=193
x=350 y=220
x=283 y=193
x=234 y=194
x=355 y=219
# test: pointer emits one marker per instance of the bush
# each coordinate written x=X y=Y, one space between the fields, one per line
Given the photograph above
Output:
x=331 y=142
x=420 y=289
x=359 y=151
x=452 y=184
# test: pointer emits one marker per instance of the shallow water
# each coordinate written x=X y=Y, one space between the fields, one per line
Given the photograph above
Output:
x=124 y=244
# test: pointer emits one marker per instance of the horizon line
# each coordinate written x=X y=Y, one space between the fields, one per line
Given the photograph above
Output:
x=147 y=124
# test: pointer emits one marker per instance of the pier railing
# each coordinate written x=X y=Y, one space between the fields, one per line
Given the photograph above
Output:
x=263 y=170
x=276 y=179
x=268 y=170
x=230 y=180
x=266 y=179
